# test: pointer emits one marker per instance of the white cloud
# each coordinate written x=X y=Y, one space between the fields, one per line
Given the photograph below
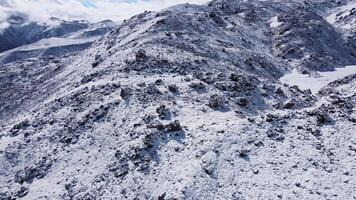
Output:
x=3 y=16
x=117 y=10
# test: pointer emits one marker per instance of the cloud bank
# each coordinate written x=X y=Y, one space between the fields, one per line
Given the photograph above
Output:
x=91 y=10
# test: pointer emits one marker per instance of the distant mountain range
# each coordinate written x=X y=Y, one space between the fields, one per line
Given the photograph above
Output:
x=23 y=38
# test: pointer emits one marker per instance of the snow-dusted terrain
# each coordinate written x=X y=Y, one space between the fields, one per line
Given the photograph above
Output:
x=228 y=100
x=23 y=39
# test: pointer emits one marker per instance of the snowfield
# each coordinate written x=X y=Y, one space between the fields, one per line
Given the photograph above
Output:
x=318 y=81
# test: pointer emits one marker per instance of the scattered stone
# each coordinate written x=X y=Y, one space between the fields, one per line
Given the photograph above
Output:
x=276 y=134
x=38 y=170
x=162 y=196
x=23 y=191
x=173 y=88
x=243 y=153
x=279 y=91
x=212 y=14
x=20 y=126
x=6 y=196
x=119 y=168
x=156 y=124
x=95 y=64
x=163 y=112
x=270 y=117
x=159 y=82
x=289 y=104
x=174 y=126
x=141 y=55
x=125 y=92
x=209 y=162
x=97 y=57
x=217 y=101
x=86 y=79
x=152 y=89
x=243 y=102
x=198 y=86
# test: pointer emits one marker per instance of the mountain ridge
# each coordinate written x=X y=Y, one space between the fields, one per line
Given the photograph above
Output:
x=186 y=103
x=22 y=32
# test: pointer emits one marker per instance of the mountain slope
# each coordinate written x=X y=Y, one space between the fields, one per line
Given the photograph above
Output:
x=21 y=31
x=185 y=103
x=24 y=39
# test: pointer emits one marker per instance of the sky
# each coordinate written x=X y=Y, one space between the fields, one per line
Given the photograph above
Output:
x=91 y=10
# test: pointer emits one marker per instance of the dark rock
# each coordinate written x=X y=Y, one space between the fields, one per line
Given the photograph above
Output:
x=86 y=79
x=159 y=82
x=314 y=131
x=242 y=102
x=288 y=105
x=163 y=112
x=198 y=86
x=205 y=77
x=156 y=124
x=23 y=191
x=174 y=126
x=20 y=126
x=38 y=170
x=95 y=64
x=141 y=54
x=321 y=114
x=276 y=134
x=70 y=186
x=243 y=153
x=270 y=117
x=217 y=101
x=148 y=118
x=119 y=168
x=99 y=113
x=212 y=14
x=235 y=77
x=321 y=119
x=97 y=57
x=125 y=92
x=162 y=196
x=6 y=196
x=11 y=154
x=173 y=88
x=152 y=89
x=279 y=91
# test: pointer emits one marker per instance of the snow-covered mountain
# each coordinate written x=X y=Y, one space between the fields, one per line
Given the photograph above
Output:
x=228 y=100
x=25 y=39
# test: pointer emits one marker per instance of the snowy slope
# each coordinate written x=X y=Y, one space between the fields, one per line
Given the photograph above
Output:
x=23 y=39
x=191 y=102
x=322 y=79
x=47 y=47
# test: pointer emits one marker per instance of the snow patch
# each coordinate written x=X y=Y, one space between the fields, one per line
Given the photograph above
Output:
x=54 y=42
x=304 y=81
x=6 y=141
x=274 y=23
x=345 y=10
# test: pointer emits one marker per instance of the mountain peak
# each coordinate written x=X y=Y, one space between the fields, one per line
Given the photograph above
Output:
x=228 y=100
